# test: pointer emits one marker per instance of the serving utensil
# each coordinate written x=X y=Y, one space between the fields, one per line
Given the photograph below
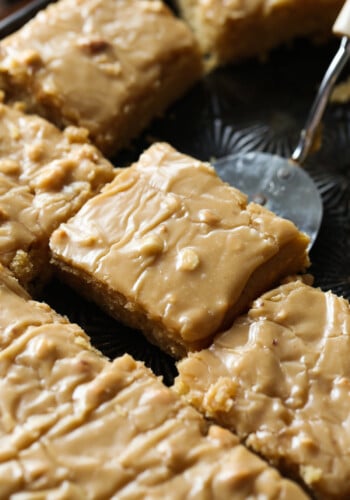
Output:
x=278 y=183
x=281 y=184
x=18 y=13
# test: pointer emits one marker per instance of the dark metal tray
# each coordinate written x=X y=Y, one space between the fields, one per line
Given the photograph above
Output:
x=242 y=108
x=251 y=106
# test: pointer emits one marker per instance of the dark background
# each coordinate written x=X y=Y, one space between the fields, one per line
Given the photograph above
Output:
x=250 y=106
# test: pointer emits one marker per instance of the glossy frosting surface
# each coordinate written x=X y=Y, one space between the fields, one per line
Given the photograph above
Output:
x=75 y=426
x=45 y=177
x=94 y=63
x=280 y=378
x=174 y=239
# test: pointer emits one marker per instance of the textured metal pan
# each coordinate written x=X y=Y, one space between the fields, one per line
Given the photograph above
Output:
x=252 y=106
x=243 y=108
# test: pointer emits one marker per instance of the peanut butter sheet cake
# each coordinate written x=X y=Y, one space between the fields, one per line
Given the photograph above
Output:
x=171 y=249
x=109 y=66
x=74 y=425
x=45 y=177
x=230 y=30
x=280 y=378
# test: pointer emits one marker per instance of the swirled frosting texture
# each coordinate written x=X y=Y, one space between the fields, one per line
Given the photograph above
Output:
x=75 y=425
x=178 y=244
x=45 y=177
x=280 y=378
x=109 y=66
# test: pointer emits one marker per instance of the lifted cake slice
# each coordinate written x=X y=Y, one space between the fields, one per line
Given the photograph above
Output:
x=109 y=66
x=75 y=425
x=280 y=378
x=171 y=249
x=45 y=177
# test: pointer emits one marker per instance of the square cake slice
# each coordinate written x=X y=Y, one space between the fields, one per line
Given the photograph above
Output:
x=280 y=378
x=109 y=66
x=74 y=425
x=231 y=30
x=45 y=177
x=169 y=248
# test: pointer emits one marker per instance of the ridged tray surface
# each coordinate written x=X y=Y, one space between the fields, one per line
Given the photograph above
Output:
x=252 y=106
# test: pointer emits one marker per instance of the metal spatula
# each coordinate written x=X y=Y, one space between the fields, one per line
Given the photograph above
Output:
x=280 y=183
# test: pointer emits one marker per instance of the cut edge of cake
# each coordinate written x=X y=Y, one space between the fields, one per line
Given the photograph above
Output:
x=290 y=257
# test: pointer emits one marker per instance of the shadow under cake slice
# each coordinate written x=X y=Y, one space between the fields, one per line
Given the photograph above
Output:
x=172 y=250
x=280 y=379
x=75 y=425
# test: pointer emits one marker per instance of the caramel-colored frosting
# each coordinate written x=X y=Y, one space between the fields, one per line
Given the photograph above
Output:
x=96 y=63
x=280 y=377
x=219 y=11
x=74 y=425
x=18 y=312
x=45 y=177
x=174 y=240
x=224 y=27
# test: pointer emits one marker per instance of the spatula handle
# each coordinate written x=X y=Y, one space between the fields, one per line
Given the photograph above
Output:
x=20 y=16
x=341 y=26
x=307 y=136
